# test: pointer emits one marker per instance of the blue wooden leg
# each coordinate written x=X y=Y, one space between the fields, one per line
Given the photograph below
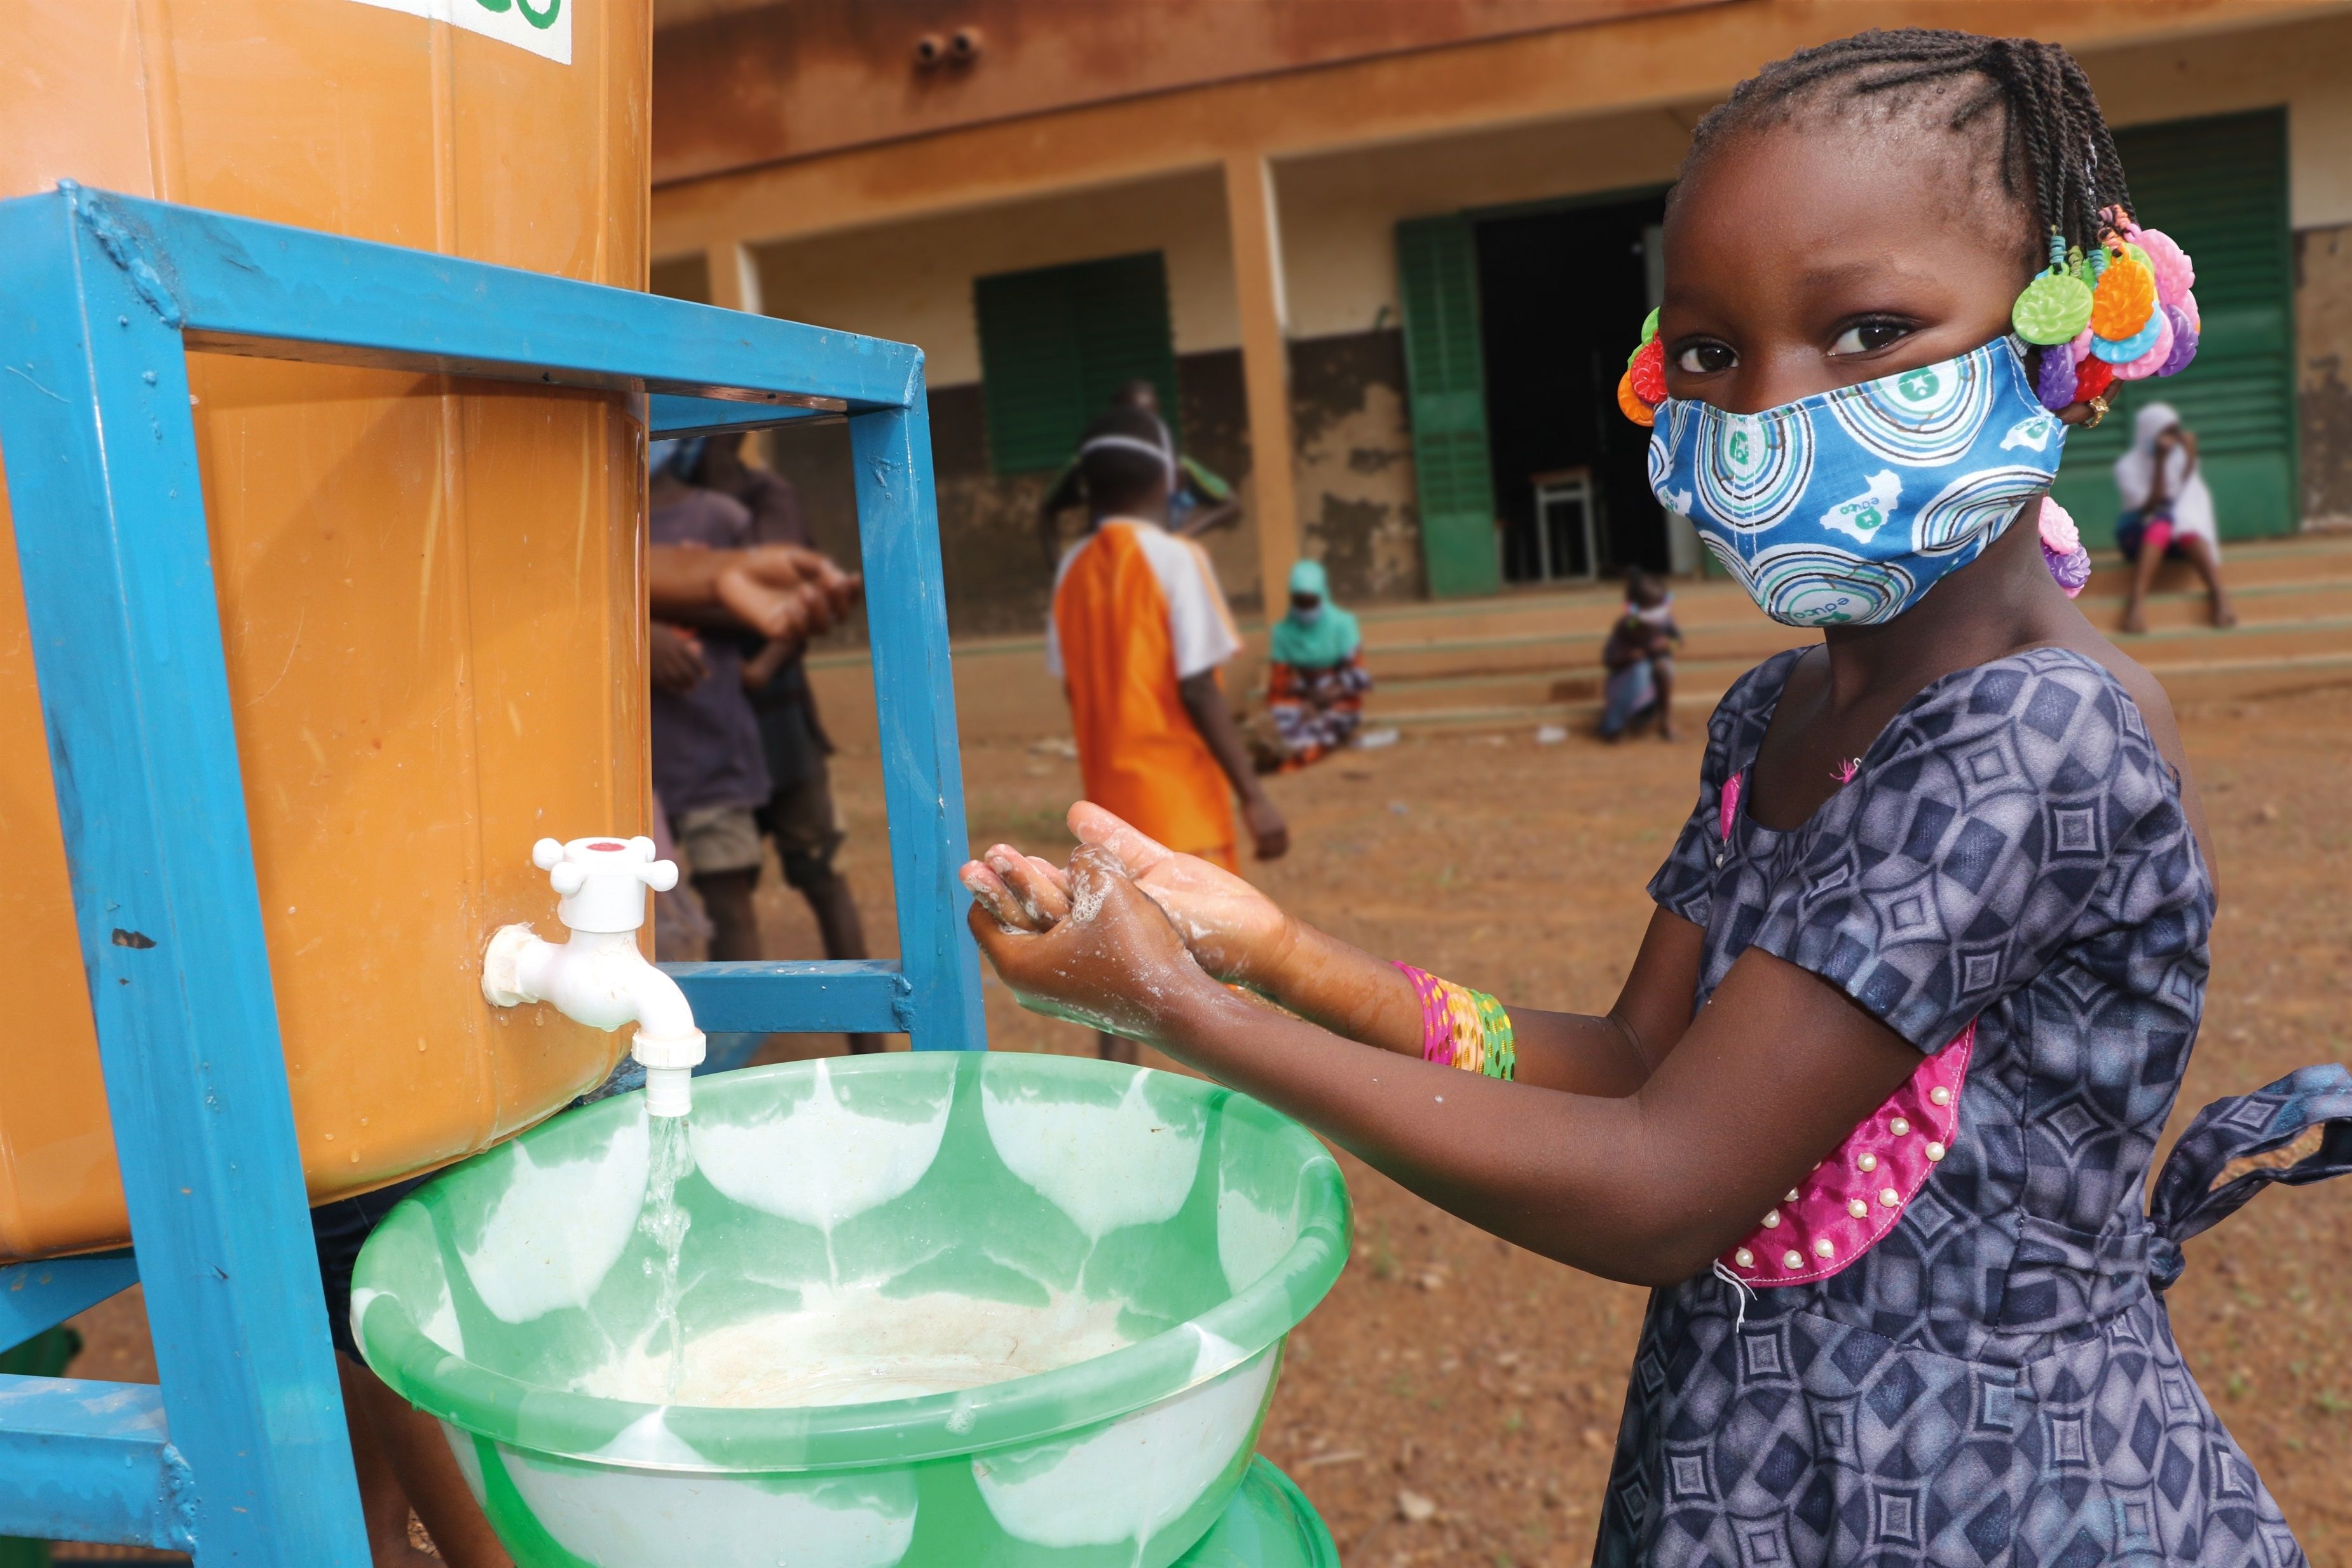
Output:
x=914 y=697
x=109 y=521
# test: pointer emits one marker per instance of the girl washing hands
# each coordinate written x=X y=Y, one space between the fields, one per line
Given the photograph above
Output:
x=1875 y=1111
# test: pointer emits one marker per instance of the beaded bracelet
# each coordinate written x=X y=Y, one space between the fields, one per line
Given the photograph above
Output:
x=1462 y=1027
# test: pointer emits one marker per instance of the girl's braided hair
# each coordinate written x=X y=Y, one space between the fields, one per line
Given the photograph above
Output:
x=2052 y=130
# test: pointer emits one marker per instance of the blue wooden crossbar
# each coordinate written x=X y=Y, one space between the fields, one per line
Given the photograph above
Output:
x=101 y=298
x=97 y=1463
x=241 y=285
x=35 y=1297
x=869 y=997
x=669 y=414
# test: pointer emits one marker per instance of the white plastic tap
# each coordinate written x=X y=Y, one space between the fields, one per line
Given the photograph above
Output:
x=599 y=977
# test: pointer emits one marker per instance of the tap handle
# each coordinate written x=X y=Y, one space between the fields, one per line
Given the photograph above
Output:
x=659 y=875
x=603 y=881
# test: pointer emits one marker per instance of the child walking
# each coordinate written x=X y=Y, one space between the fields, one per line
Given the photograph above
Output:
x=1876 y=1110
x=1138 y=634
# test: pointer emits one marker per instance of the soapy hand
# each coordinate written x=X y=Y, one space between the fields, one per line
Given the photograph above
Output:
x=1233 y=931
x=1236 y=933
x=1086 y=946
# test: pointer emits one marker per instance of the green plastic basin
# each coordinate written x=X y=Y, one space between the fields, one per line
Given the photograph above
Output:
x=1170 y=1232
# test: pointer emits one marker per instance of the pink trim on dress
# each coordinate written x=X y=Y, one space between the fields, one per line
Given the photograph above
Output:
x=1876 y=1162
x=1881 y=1165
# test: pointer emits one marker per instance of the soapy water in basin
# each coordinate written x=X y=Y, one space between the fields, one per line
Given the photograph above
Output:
x=853 y=1345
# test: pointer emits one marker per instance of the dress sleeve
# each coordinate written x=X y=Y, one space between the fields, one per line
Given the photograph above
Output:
x=1685 y=885
x=2017 y=810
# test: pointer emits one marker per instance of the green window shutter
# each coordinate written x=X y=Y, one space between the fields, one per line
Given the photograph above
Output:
x=1445 y=376
x=2218 y=186
x=1056 y=341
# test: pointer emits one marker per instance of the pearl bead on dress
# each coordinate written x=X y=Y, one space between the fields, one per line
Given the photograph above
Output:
x=1890 y=1197
x=1793 y=1259
x=1935 y=1151
x=1771 y=1218
x=1744 y=1258
x=1857 y=1207
x=1899 y=1127
x=1868 y=1162
x=1826 y=1248
x=1941 y=1095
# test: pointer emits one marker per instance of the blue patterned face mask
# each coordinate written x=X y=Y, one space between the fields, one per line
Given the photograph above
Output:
x=1847 y=506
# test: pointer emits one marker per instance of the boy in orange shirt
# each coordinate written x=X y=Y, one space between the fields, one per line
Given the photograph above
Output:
x=1137 y=632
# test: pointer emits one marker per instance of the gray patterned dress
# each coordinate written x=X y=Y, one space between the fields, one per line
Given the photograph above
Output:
x=1995 y=1382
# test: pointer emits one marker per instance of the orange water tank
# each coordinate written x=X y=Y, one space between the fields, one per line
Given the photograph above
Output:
x=429 y=589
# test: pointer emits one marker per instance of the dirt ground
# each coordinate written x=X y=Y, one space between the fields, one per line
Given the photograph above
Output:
x=1454 y=1400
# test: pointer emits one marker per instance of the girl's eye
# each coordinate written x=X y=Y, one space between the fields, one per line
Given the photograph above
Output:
x=1868 y=337
x=1706 y=359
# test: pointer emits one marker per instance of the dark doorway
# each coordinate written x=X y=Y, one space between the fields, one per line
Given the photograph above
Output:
x=1561 y=295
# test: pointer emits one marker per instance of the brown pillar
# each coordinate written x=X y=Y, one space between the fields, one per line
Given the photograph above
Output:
x=734 y=278
x=1250 y=212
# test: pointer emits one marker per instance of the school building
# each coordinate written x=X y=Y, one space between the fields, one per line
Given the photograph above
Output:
x=1406 y=247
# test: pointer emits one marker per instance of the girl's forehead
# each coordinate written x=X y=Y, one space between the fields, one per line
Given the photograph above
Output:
x=1834 y=199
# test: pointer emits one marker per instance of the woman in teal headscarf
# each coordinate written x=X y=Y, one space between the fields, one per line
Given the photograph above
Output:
x=1315 y=678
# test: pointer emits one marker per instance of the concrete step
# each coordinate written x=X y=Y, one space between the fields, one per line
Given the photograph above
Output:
x=1532 y=656
x=2308 y=560
x=1758 y=638
x=2184 y=681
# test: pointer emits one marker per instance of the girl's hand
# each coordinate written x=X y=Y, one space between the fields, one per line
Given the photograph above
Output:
x=1236 y=933
x=1020 y=893
x=1110 y=960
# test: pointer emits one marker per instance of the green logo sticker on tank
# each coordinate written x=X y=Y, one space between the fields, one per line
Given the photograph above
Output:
x=542 y=26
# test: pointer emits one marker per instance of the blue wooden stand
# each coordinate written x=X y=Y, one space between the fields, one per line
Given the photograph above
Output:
x=240 y=1455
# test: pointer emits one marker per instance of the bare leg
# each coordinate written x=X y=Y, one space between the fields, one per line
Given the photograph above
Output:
x=2208 y=562
x=734 y=923
x=1662 y=679
x=2151 y=556
x=843 y=931
x=403 y=1461
x=1114 y=1049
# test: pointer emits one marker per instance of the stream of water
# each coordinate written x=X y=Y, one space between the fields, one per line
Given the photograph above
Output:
x=666 y=1221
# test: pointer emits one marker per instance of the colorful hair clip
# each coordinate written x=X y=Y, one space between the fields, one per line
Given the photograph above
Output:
x=2151 y=361
x=2184 y=341
x=2053 y=383
x=2062 y=549
x=2056 y=306
x=2122 y=351
x=1644 y=385
x=2122 y=301
x=1649 y=373
x=2175 y=275
x=2093 y=379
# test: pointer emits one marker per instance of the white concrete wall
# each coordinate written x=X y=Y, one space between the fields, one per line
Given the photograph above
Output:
x=913 y=281
x=1340 y=212
x=2306 y=65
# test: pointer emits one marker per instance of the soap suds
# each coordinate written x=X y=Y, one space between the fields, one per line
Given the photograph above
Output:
x=857 y=1346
